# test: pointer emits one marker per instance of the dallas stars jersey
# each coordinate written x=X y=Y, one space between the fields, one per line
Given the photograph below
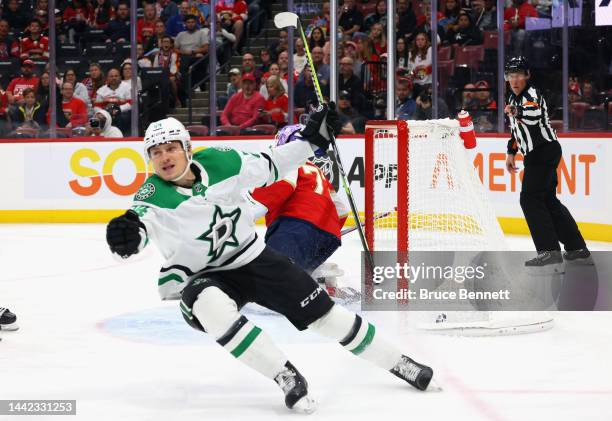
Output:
x=209 y=226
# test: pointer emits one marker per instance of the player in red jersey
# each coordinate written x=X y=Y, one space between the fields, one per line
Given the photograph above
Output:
x=304 y=215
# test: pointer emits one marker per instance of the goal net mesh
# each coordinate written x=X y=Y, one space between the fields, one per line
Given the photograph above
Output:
x=423 y=193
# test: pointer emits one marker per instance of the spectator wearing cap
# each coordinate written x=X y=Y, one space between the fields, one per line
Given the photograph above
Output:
x=62 y=30
x=351 y=19
x=483 y=96
x=8 y=46
x=118 y=29
x=19 y=84
x=350 y=118
x=465 y=32
x=243 y=107
x=235 y=82
x=34 y=45
x=405 y=108
x=277 y=105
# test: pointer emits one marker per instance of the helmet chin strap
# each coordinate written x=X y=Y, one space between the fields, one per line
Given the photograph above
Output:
x=186 y=168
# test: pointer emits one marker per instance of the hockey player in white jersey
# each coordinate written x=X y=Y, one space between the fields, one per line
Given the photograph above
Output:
x=194 y=209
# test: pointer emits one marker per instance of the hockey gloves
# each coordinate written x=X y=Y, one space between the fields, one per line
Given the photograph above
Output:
x=123 y=234
x=322 y=124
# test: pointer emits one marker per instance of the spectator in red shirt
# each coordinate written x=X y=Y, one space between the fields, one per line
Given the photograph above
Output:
x=35 y=45
x=74 y=109
x=19 y=84
x=277 y=105
x=514 y=21
x=8 y=46
x=237 y=10
x=103 y=12
x=77 y=15
x=379 y=40
x=243 y=107
x=147 y=22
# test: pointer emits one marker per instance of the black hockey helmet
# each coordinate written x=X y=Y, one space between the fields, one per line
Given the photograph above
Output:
x=516 y=64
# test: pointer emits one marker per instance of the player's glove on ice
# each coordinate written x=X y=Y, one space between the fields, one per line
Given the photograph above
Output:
x=320 y=124
x=123 y=234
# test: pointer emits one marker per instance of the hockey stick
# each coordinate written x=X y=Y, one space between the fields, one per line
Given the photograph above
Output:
x=288 y=19
x=351 y=229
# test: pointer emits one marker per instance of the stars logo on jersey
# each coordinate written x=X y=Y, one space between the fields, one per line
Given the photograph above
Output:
x=222 y=232
x=145 y=191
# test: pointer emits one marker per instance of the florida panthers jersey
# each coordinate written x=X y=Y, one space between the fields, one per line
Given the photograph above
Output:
x=209 y=227
x=305 y=194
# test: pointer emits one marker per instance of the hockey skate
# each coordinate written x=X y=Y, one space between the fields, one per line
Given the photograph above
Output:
x=295 y=388
x=418 y=375
x=8 y=321
x=546 y=263
x=580 y=257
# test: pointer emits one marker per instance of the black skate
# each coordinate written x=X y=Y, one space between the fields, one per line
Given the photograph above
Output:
x=8 y=321
x=546 y=263
x=579 y=257
x=295 y=388
x=418 y=375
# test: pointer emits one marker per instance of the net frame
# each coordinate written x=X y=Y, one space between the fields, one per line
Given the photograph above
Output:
x=485 y=323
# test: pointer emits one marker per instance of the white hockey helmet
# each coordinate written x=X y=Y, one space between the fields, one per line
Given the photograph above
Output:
x=166 y=131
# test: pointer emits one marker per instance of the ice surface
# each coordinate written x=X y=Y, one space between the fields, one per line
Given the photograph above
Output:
x=94 y=330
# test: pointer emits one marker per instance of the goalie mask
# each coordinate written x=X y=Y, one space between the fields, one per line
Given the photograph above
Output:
x=166 y=131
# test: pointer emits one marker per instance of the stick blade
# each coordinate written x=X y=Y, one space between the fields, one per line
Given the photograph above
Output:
x=285 y=19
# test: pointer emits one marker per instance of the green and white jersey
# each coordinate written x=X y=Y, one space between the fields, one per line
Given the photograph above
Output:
x=210 y=227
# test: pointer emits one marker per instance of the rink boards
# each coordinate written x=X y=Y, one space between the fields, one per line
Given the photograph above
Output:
x=91 y=180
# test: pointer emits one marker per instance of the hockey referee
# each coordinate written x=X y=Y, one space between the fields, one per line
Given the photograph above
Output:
x=549 y=221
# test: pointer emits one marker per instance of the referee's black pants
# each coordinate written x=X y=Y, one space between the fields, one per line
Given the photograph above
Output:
x=548 y=219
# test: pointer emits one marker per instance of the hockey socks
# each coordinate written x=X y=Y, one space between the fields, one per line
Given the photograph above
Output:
x=359 y=337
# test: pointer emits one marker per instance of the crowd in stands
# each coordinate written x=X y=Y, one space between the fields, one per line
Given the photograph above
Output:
x=175 y=37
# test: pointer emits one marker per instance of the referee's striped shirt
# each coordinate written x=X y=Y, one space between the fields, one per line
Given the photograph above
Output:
x=530 y=127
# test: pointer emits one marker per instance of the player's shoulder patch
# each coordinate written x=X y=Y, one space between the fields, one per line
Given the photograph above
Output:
x=220 y=163
x=159 y=193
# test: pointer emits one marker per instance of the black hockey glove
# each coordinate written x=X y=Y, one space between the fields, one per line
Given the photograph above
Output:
x=320 y=124
x=123 y=234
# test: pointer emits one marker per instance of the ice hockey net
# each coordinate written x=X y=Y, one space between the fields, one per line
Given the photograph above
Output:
x=422 y=192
